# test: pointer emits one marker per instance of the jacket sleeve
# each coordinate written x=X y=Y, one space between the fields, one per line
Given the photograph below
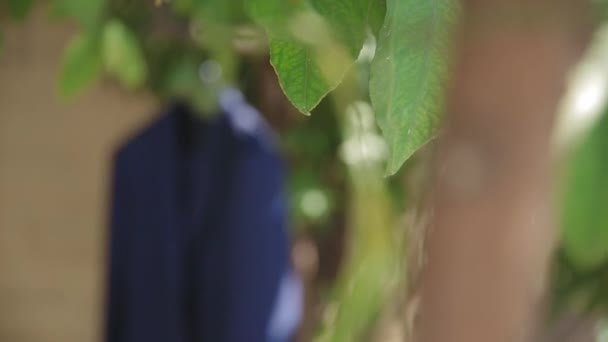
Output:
x=117 y=252
x=258 y=246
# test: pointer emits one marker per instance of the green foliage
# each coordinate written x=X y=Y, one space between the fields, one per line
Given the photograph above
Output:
x=300 y=77
x=377 y=12
x=217 y=19
x=19 y=9
x=312 y=200
x=224 y=12
x=373 y=269
x=576 y=289
x=182 y=7
x=601 y=9
x=360 y=300
x=294 y=60
x=312 y=45
x=87 y=13
x=81 y=64
x=122 y=54
x=585 y=199
x=409 y=72
x=182 y=80
x=312 y=148
x=349 y=20
x=271 y=14
x=303 y=49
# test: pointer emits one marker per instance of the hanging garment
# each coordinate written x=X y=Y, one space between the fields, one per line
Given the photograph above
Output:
x=198 y=247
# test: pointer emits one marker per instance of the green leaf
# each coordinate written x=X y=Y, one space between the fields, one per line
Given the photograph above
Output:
x=299 y=75
x=408 y=73
x=122 y=55
x=87 y=12
x=584 y=216
x=19 y=9
x=376 y=15
x=349 y=19
x=81 y=64
x=271 y=14
x=307 y=71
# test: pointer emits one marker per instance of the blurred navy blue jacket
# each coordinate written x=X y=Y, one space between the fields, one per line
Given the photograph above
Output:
x=198 y=248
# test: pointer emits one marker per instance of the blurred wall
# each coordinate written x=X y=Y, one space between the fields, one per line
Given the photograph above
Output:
x=54 y=167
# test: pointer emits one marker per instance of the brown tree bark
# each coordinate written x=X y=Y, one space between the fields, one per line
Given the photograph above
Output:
x=491 y=232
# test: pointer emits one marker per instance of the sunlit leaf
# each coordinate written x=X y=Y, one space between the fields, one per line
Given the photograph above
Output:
x=584 y=200
x=122 y=54
x=19 y=9
x=408 y=73
x=81 y=64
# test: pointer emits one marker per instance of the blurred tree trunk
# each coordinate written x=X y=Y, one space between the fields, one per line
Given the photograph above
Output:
x=491 y=232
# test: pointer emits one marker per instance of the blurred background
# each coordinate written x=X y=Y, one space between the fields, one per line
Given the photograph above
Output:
x=56 y=156
x=357 y=236
x=54 y=186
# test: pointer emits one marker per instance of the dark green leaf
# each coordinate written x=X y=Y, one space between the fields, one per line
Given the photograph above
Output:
x=81 y=64
x=584 y=200
x=19 y=9
x=376 y=15
x=122 y=55
x=408 y=73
